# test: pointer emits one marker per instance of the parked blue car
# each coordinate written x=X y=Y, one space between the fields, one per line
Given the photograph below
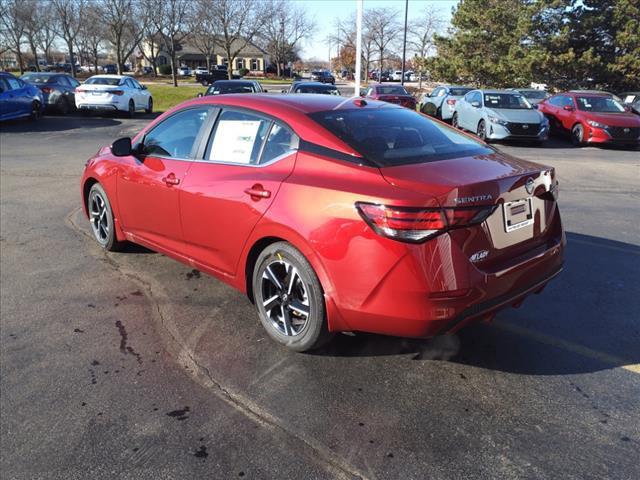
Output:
x=19 y=99
x=58 y=89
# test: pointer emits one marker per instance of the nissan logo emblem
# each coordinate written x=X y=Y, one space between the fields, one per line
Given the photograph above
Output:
x=626 y=130
x=525 y=126
x=529 y=185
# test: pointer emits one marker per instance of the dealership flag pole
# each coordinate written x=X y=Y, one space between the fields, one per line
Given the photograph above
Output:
x=358 y=44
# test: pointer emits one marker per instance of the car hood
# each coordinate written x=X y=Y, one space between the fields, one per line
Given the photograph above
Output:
x=516 y=116
x=626 y=119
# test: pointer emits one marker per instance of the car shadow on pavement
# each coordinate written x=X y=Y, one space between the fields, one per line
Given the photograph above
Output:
x=57 y=123
x=586 y=320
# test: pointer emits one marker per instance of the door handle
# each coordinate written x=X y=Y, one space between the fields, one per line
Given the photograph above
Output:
x=171 y=179
x=257 y=192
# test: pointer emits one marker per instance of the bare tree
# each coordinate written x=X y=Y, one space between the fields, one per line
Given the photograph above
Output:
x=170 y=18
x=286 y=25
x=91 y=35
x=345 y=36
x=32 y=24
x=383 y=27
x=122 y=27
x=13 y=21
x=202 y=24
x=69 y=14
x=47 y=33
x=421 y=34
x=238 y=22
x=151 y=42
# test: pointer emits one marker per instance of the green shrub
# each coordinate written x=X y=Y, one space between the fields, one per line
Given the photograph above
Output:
x=164 y=69
x=243 y=71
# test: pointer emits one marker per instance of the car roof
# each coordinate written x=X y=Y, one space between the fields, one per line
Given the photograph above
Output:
x=494 y=91
x=106 y=75
x=313 y=84
x=291 y=109
x=7 y=74
x=591 y=93
x=236 y=81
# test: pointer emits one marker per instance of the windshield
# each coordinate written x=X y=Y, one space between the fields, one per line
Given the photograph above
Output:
x=535 y=94
x=103 y=81
x=230 y=88
x=31 y=78
x=317 y=89
x=599 y=104
x=391 y=90
x=397 y=136
x=512 y=101
x=459 y=92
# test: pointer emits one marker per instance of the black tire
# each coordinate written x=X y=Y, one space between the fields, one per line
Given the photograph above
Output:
x=454 y=121
x=439 y=113
x=149 y=108
x=293 y=291
x=102 y=224
x=131 y=112
x=63 y=106
x=577 y=135
x=482 y=131
x=85 y=112
x=36 y=111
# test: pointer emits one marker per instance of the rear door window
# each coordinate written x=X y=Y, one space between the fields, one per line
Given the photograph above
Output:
x=238 y=138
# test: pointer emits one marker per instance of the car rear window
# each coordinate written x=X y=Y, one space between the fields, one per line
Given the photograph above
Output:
x=391 y=90
x=103 y=81
x=317 y=89
x=391 y=136
x=31 y=78
x=230 y=88
x=459 y=92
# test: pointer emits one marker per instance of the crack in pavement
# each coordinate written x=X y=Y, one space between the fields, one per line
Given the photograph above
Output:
x=337 y=466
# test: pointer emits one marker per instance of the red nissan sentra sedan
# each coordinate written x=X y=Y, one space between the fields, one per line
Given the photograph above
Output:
x=332 y=214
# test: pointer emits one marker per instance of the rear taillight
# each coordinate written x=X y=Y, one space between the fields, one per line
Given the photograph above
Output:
x=451 y=101
x=79 y=90
x=116 y=92
x=415 y=224
x=47 y=90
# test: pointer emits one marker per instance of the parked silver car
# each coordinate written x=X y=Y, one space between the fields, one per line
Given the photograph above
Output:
x=441 y=102
x=533 y=95
x=500 y=114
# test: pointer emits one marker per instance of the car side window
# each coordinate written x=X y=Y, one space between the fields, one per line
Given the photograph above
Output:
x=3 y=86
x=175 y=137
x=63 y=81
x=442 y=92
x=238 y=138
x=567 y=101
x=281 y=140
x=555 y=101
x=468 y=97
x=368 y=92
x=14 y=84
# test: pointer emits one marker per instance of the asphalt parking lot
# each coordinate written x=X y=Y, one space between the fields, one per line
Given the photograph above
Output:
x=131 y=365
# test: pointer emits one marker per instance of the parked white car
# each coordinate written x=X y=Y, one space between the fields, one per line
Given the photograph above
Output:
x=113 y=92
x=184 y=71
x=396 y=76
x=200 y=69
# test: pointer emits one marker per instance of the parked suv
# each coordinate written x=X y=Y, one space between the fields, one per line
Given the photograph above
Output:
x=498 y=115
x=323 y=76
x=591 y=118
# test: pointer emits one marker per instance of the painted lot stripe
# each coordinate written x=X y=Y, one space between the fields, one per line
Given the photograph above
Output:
x=570 y=347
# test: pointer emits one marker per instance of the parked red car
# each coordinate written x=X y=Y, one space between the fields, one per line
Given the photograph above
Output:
x=591 y=118
x=332 y=214
x=392 y=94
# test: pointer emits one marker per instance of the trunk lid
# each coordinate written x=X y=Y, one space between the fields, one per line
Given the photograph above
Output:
x=519 y=190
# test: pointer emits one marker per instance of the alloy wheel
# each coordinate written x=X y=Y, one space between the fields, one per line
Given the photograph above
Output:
x=577 y=135
x=284 y=297
x=454 y=121
x=482 y=131
x=99 y=215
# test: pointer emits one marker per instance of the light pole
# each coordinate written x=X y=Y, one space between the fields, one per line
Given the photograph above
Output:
x=404 y=40
x=358 y=45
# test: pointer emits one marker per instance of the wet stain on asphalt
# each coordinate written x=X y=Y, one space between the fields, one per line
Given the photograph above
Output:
x=193 y=274
x=124 y=348
x=137 y=293
x=91 y=305
x=95 y=362
x=241 y=473
x=201 y=452
x=93 y=376
x=77 y=330
x=182 y=414
x=625 y=439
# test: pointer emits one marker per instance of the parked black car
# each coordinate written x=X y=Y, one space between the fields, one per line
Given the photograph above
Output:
x=58 y=90
x=219 y=72
x=312 y=87
x=221 y=87
x=323 y=76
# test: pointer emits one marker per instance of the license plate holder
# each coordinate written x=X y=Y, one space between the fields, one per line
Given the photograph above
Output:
x=517 y=214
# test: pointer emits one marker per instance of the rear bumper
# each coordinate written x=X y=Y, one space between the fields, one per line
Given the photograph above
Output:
x=434 y=288
x=103 y=107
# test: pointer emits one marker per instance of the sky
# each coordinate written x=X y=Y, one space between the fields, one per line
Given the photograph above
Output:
x=325 y=12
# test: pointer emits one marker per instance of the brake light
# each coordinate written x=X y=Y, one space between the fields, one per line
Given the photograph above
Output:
x=47 y=89
x=116 y=92
x=415 y=224
x=79 y=90
x=451 y=101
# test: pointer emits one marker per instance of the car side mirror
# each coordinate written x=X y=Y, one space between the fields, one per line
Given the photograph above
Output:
x=144 y=87
x=535 y=106
x=568 y=108
x=200 y=94
x=121 y=147
x=475 y=104
x=363 y=94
